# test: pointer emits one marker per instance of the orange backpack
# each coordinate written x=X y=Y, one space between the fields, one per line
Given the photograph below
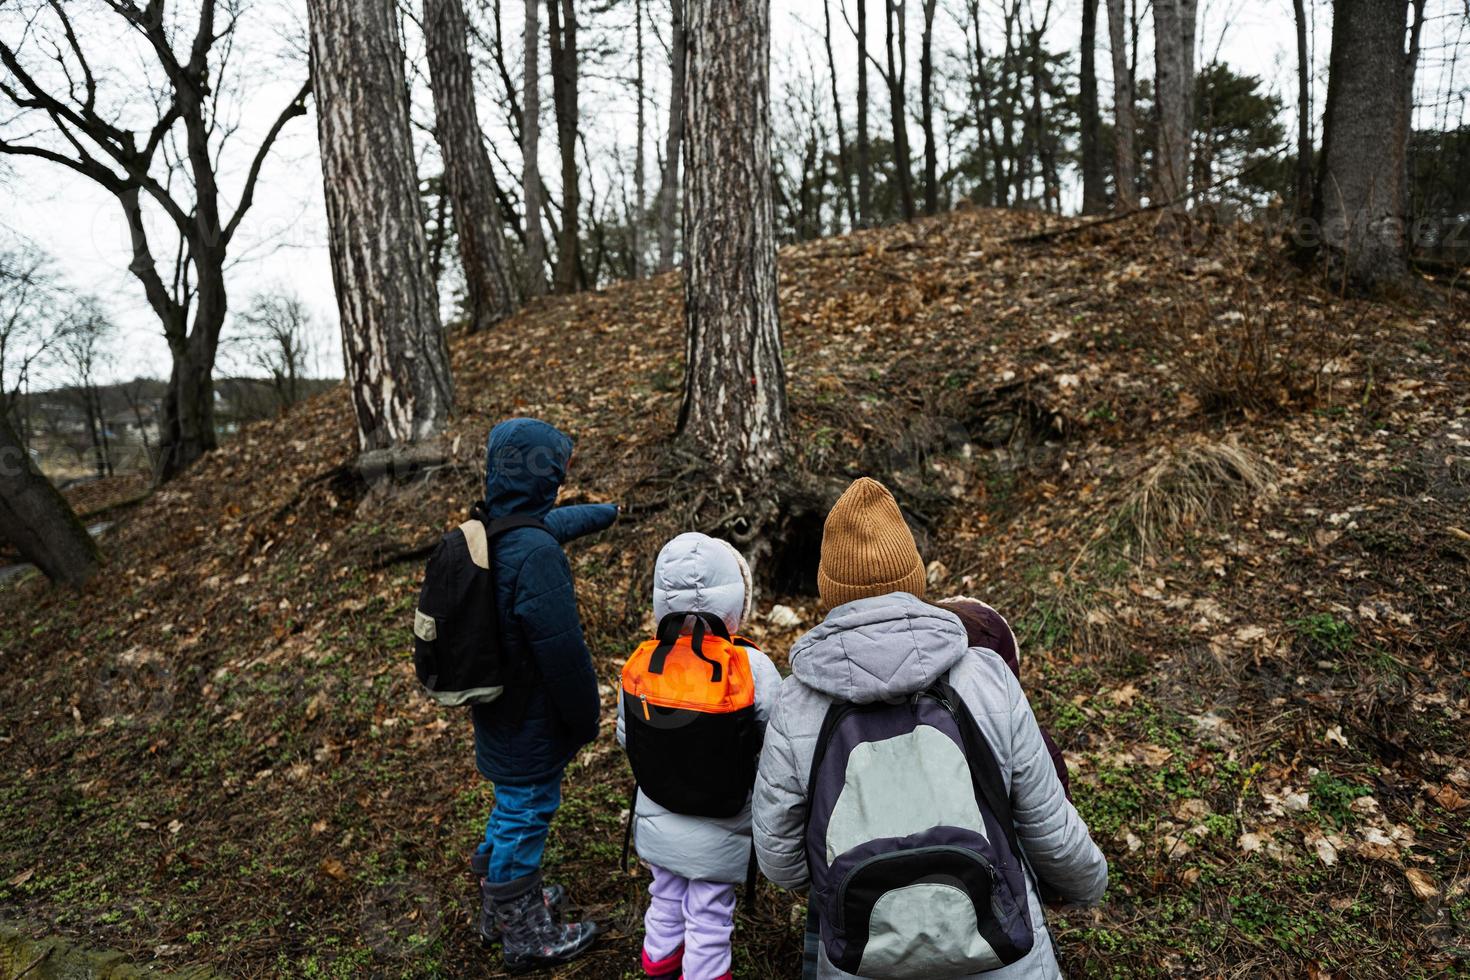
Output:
x=689 y=716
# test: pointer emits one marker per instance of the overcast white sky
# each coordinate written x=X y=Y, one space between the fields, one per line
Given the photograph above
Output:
x=283 y=240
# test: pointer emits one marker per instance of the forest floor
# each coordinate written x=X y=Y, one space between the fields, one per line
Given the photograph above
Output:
x=1228 y=513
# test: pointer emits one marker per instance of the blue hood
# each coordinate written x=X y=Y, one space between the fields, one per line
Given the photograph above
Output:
x=525 y=462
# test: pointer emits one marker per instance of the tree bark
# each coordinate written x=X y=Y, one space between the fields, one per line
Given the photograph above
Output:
x=1303 y=114
x=1174 y=82
x=1007 y=162
x=668 y=191
x=535 y=258
x=1094 y=174
x=36 y=518
x=561 y=26
x=467 y=174
x=864 y=144
x=926 y=110
x=1359 y=202
x=844 y=163
x=896 y=45
x=1043 y=138
x=980 y=97
x=1125 y=126
x=396 y=360
x=734 y=407
x=639 y=175
x=187 y=432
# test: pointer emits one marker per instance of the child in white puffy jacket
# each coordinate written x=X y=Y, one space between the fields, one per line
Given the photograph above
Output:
x=697 y=861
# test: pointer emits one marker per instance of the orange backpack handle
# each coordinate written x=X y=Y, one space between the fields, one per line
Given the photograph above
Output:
x=668 y=634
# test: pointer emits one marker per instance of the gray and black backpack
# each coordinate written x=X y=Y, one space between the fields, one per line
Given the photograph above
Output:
x=915 y=868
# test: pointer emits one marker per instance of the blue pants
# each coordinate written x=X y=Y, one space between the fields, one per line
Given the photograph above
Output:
x=515 y=835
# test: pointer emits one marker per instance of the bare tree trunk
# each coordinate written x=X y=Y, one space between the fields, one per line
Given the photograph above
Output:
x=467 y=174
x=535 y=258
x=105 y=442
x=187 y=432
x=1174 y=82
x=896 y=43
x=639 y=176
x=1125 y=126
x=1303 y=114
x=1359 y=202
x=1416 y=30
x=1007 y=162
x=864 y=144
x=1042 y=140
x=396 y=360
x=95 y=424
x=561 y=26
x=440 y=233
x=980 y=92
x=668 y=191
x=844 y=164
x=36 y=518
x=926 y=109
x=1094 y=174
x=734 y=407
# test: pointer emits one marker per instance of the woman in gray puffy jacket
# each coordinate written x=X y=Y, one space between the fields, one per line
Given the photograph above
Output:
x=697 y=861
x=881 y=642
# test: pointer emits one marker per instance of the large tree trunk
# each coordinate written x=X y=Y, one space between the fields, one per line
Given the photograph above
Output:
x=1094 y=174
x=734 y=407
x=1174 y=83
x=561 y=25
x=1125 y=155
x=896 y=41
x=396 y=360
x=1359 y=201
x=187 y=432
x=467 y=174
x=36 y=518
x=668 y=191
x=926 y=110
x=535 y=258
x=864 y=160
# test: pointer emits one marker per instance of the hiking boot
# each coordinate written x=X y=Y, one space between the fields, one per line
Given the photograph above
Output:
x=555 y=897
x=530 y=936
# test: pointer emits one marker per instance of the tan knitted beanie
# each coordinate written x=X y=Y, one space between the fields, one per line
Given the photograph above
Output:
x=867 y=549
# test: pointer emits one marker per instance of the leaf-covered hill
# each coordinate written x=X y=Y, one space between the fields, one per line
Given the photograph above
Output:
x=1228 y=512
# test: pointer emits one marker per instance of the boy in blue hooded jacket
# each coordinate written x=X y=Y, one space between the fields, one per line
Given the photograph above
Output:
x=550 y=708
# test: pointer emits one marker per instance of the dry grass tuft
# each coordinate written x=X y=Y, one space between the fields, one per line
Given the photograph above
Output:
x=1194 y=485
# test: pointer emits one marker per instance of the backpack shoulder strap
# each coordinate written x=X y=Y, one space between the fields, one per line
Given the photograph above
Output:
x=836 y=711
x=478 y=533
x=983 y=764
x=477 y=541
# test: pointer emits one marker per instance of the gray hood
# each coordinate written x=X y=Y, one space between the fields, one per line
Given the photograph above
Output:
x=880 y=648
x=697 y=573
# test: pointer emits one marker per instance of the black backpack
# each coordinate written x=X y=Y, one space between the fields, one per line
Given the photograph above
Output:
x=456 y=629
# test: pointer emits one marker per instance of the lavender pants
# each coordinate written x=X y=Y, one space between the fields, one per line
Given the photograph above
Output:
x=700 y=915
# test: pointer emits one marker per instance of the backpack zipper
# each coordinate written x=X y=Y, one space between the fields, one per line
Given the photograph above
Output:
x=963 y=852
x=644 y=699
